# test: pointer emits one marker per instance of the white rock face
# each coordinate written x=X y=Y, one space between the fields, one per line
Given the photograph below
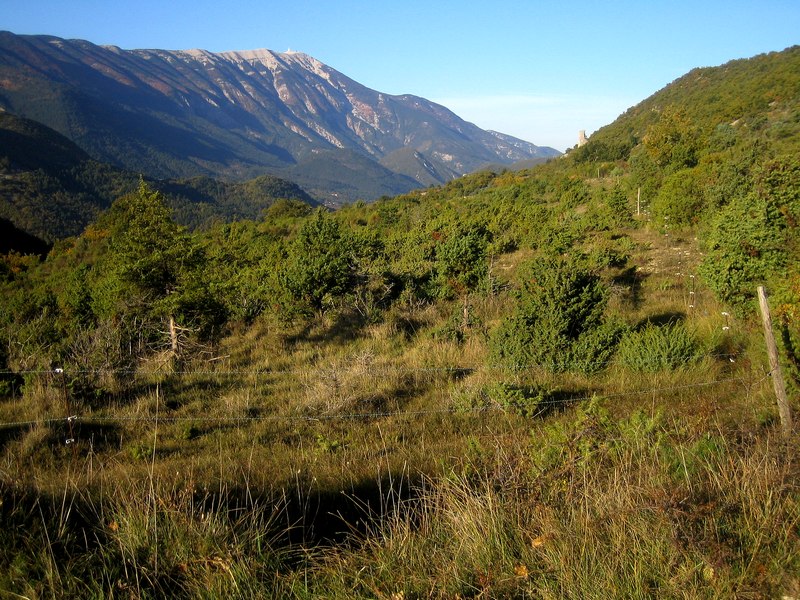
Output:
x=321 y=104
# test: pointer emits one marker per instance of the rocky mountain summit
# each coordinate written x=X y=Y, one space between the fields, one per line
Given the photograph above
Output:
x=237 y=115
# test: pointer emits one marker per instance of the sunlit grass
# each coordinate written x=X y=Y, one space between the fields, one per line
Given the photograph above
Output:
x=337 y=458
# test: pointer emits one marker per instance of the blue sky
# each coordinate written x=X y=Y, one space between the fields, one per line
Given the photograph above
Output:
x=538 y=70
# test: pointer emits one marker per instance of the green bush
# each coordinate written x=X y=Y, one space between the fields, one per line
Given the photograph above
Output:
x=655 y=348
x=319 y=265
x=679 y=200
x=746 y=246
x=559 y=324
x=528 y=401
x=752 y=240
x=461 y=260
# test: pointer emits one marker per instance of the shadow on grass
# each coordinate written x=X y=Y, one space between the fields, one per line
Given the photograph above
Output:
x=314 y=516
x=346 y=327
x=662 y=319
x=11 y=433
x=83 y=529
x=631 y=280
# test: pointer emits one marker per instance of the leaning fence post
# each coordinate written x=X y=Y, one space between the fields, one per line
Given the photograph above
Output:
x=774 y=365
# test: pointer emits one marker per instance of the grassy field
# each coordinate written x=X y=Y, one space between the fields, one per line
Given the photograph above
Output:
x=344 y=460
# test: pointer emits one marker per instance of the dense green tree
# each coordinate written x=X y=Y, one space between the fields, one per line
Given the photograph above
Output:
x=680 y=199
x=559 y=323
x=752 y=239
x=149 y=249
x=242 y=262
x=461 y=261
x=671 y=141
x=32 y=335
x=319 y=264
x=153 y=271
x=75 y=299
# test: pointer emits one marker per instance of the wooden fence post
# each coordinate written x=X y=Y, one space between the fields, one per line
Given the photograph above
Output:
x=774 y=364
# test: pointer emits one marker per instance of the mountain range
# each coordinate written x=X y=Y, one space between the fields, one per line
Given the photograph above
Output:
x=238 y=115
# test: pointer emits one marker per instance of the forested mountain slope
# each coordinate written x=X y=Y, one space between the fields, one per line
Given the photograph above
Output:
x=51 y=188
x=743 y=100
x=718 y=150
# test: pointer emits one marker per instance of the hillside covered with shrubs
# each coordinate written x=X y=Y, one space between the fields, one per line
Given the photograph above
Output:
x=549 y=383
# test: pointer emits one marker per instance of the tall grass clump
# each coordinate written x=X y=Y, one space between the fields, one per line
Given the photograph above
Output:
x=458 y=538
x=623 y=508
x=659 y=348
x=174 y=543
x=141 y=541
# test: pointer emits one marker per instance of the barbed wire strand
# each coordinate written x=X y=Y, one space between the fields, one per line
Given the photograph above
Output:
x=366 y=415
x=267 y=370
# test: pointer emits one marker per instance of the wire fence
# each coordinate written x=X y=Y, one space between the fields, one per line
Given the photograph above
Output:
x=161 y=417
x=75 y=432
x=378 y=369
x=139 y=382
